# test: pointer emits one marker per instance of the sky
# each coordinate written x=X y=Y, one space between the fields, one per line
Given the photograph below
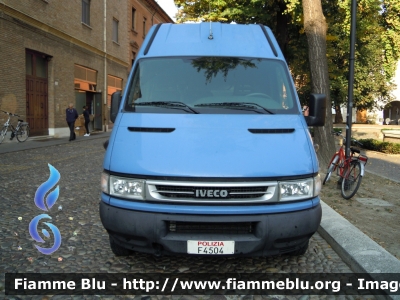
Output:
x=169 y=7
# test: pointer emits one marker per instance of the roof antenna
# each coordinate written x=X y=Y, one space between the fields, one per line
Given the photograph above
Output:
x=210 y=37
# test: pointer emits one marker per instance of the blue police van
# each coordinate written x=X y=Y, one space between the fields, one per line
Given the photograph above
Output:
x=210 y=153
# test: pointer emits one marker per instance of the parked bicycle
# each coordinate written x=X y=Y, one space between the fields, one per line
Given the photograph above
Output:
x=21 y=131
x=350 y=170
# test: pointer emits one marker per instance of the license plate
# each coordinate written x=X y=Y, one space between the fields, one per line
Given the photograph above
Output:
x=210 y=247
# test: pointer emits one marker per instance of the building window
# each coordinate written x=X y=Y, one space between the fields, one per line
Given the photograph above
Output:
x=115 y=30
x=36 y=64
x=41 y=66
x=85 y=79
x=86 y=12
x=144 y=27
x=29 y=64
x=133 y=18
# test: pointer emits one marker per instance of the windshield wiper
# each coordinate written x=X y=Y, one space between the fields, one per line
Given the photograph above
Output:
x=236 y=105
x=168 y=104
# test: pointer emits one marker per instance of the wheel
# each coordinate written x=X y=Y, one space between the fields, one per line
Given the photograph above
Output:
x=331 y=168
x=351 y=179
x=23 y=133
x=258 y=95
x=3 y=134
x=300 y=251
x=117 y=249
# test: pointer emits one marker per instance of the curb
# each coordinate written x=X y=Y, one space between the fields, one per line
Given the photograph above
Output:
x=362 y=254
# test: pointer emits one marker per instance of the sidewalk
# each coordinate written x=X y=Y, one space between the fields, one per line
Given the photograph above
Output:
x=45 y=141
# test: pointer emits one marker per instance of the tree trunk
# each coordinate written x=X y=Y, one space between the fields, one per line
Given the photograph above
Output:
x=338 y=116
x=282 y=21
x=315 y=27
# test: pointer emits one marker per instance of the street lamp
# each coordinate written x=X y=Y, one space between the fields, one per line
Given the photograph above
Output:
x=351 y=76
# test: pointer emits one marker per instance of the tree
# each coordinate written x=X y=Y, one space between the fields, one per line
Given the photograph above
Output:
x=373 y=64
x=315 y=28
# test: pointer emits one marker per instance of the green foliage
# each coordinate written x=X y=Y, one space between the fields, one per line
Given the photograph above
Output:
x=375 y=145
x=377 y=44
x=374 y=67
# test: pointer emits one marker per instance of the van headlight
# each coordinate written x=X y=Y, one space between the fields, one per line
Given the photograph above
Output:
x=299 y=189
x=122 y=187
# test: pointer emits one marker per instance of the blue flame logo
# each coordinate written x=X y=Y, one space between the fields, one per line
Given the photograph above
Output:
x=45 y=187
x=40 y=203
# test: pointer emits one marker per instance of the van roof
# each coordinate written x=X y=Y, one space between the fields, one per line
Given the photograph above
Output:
x=227 y=40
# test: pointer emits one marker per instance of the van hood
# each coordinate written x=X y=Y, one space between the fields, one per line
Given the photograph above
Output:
x=208 y=145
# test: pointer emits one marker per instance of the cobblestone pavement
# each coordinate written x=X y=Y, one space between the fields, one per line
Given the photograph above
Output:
x=85 y=247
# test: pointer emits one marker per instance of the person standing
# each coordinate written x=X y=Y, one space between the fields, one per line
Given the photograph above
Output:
x=71 y=116
x=86 y=115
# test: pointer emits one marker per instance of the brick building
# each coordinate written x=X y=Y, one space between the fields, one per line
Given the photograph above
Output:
x=143 y=14
x=57 y=52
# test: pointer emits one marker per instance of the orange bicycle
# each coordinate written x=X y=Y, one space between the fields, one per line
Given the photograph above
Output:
x=350 y=170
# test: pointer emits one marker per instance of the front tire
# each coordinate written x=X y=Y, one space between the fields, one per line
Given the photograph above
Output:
x=3 y=134
x=331 y=168
x=351 y=179
x=117 y=249
x=23 y=133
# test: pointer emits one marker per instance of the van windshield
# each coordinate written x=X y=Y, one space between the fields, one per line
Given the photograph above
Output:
x=211 y=85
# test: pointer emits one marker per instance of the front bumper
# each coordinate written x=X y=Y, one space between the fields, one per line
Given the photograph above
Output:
x=150 y=232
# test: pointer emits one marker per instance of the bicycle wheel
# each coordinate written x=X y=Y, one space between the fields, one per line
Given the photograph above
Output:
x=23 y=133
x=331 y=168
x=3 y=134
x=351 y=179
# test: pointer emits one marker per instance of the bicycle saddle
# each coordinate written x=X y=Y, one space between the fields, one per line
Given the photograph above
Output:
x=354 y=150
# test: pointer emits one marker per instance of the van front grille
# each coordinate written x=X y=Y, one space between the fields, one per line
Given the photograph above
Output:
x=217 y=228
x=211 y=192
x=191 y=191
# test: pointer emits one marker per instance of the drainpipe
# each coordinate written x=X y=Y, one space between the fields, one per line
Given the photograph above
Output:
x=155 y=11
x=105 y=67
x=152 y=23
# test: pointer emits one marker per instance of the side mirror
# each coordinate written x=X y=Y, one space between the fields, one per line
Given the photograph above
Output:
x=115 y=102
x=317 y=110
